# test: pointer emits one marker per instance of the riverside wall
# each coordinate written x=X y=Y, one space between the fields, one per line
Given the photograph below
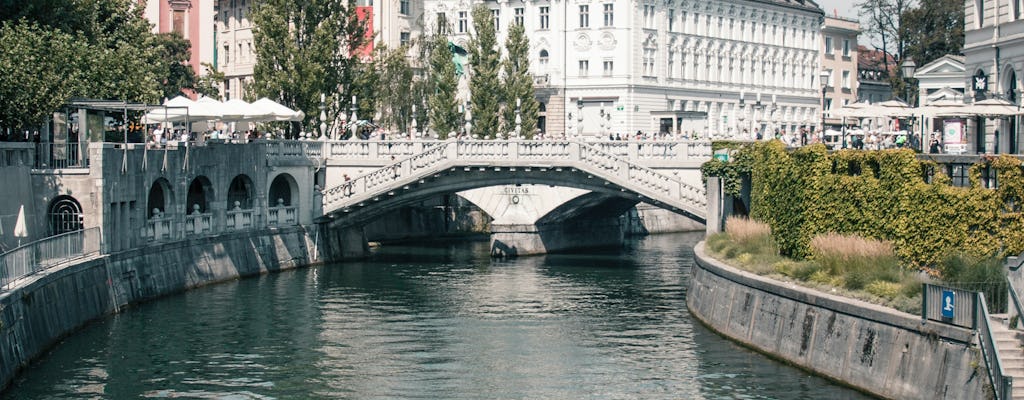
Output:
x=46 y=307
x=875 y=349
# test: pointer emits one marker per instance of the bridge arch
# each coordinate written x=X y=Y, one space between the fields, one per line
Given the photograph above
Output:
x=160 y=197
x=64 y=215
x=241 y=191
x=284 y=191
x=200 y=193
x=459 y=179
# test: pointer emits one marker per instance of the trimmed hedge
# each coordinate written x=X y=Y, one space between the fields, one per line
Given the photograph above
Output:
x=881 y=195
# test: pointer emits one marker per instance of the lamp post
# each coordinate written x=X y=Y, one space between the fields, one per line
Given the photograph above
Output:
x=354 y=120
x=342 y=129
x=519 y=118
x=908 y=67
x=413 y=133
x=469 y=119
x=579 y=118
x=323 y=117
x=823 y=77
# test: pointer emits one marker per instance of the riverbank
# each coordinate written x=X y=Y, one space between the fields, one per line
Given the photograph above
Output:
x=875 y=349
x=49 y=306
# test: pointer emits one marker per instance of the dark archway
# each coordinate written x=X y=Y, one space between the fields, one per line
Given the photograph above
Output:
x=241 y=192
x=159 y=199
x=200 y=192
x=283 y=191
x=64 y=215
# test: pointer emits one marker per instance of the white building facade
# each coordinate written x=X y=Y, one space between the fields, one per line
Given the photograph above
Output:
x=393 y=23
x=691 y=67
x=993 y=54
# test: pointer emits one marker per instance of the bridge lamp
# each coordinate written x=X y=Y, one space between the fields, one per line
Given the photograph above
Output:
x=323 y=117
x=341 y=117
x=355 y=120
x=579 y=117
x=824 y=76
x=414 y=133
x=469 y=119
x=519 y=118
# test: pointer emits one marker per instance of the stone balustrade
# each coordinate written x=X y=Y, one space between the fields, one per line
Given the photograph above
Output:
x=594 y=159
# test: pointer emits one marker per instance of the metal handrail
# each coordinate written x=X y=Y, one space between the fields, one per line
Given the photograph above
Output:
x=45 y=253
x=1002 y=385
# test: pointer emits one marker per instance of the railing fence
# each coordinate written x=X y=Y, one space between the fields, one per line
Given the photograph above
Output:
x=45 y=253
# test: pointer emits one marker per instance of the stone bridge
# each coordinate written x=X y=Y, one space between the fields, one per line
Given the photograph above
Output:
x=609 y=178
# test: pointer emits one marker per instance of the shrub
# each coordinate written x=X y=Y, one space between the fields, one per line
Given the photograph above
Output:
x=982 y=274
x=750 y=236
x=858 y=260
x=883 y=289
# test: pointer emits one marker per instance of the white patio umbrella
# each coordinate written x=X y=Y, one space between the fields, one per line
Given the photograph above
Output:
x=175 y=110
x=849 y=110
x=994 y=108
x=207 y=108
x=942 y=108
x=20 y=230
x=238 y=110
x=277 y=111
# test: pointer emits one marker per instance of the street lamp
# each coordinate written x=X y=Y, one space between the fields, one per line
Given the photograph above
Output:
x=342 y=116
x=355 y=120
x=469 y=119
x=414 y=133
x=323 y=117
x=519 y=118
x=908 y=67
x=579 y=118
x=824 y=77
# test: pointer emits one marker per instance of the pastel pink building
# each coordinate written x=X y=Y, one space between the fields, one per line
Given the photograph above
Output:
x=193 y=19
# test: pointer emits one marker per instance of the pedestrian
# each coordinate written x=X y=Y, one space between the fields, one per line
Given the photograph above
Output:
x=935 y=147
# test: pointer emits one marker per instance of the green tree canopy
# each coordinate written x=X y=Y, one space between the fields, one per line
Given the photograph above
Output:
x=519 y=84
x=305 y=48
x=53 y=50
x=441 y=102
x=933 y=29
x=483 y=79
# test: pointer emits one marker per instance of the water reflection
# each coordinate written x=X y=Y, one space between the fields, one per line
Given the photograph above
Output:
x=438 y=322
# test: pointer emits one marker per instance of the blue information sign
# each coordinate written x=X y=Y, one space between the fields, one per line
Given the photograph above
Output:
x=948 y=304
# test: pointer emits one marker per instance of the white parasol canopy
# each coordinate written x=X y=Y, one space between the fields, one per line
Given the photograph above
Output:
x=994 y=108
x=238 y=110
x=850 y=110
x=175 y=110
x=278 y=112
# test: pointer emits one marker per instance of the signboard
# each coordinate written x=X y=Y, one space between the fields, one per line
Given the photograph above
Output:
x=952 y=131
x=948 y=304
x=722 y=155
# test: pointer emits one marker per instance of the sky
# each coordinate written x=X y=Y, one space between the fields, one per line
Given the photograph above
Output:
x=845 y=8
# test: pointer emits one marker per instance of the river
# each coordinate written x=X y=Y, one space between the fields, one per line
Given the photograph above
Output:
x=427 y=322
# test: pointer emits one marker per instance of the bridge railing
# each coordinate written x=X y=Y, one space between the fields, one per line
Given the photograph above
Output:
x=695 y=150
x=239 y=218
x=45 y=253
x=655 y=150
x=654 y=182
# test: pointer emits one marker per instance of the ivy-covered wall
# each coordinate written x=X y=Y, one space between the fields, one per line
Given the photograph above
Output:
x=878 y=194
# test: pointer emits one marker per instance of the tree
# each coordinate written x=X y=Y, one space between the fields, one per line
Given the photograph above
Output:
x=444 y=118
x=934 y=29
x=53 y=50
x=882 y=20
x=209 y=84
x=305 y=48
x=396 y=82
x=483 y=79
x=518 y=84
x=39 y=71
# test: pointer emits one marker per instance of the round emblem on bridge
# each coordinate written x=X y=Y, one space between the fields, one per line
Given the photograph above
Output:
x=515 y=199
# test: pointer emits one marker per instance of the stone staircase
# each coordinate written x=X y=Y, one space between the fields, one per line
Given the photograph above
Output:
x=1011 y=353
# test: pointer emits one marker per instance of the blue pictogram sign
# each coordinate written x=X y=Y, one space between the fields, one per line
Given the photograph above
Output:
x=948 y=304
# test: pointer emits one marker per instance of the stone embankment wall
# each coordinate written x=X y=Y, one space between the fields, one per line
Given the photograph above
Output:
x=49 y=306
x=876 y=349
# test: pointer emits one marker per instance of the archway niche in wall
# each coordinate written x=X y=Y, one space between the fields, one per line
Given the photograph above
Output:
x=283 y=191
x=64 y=215
x=241 y=192
x=159 y=199
x=200 y=192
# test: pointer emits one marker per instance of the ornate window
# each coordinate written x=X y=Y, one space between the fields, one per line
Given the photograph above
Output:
x=64 y=215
